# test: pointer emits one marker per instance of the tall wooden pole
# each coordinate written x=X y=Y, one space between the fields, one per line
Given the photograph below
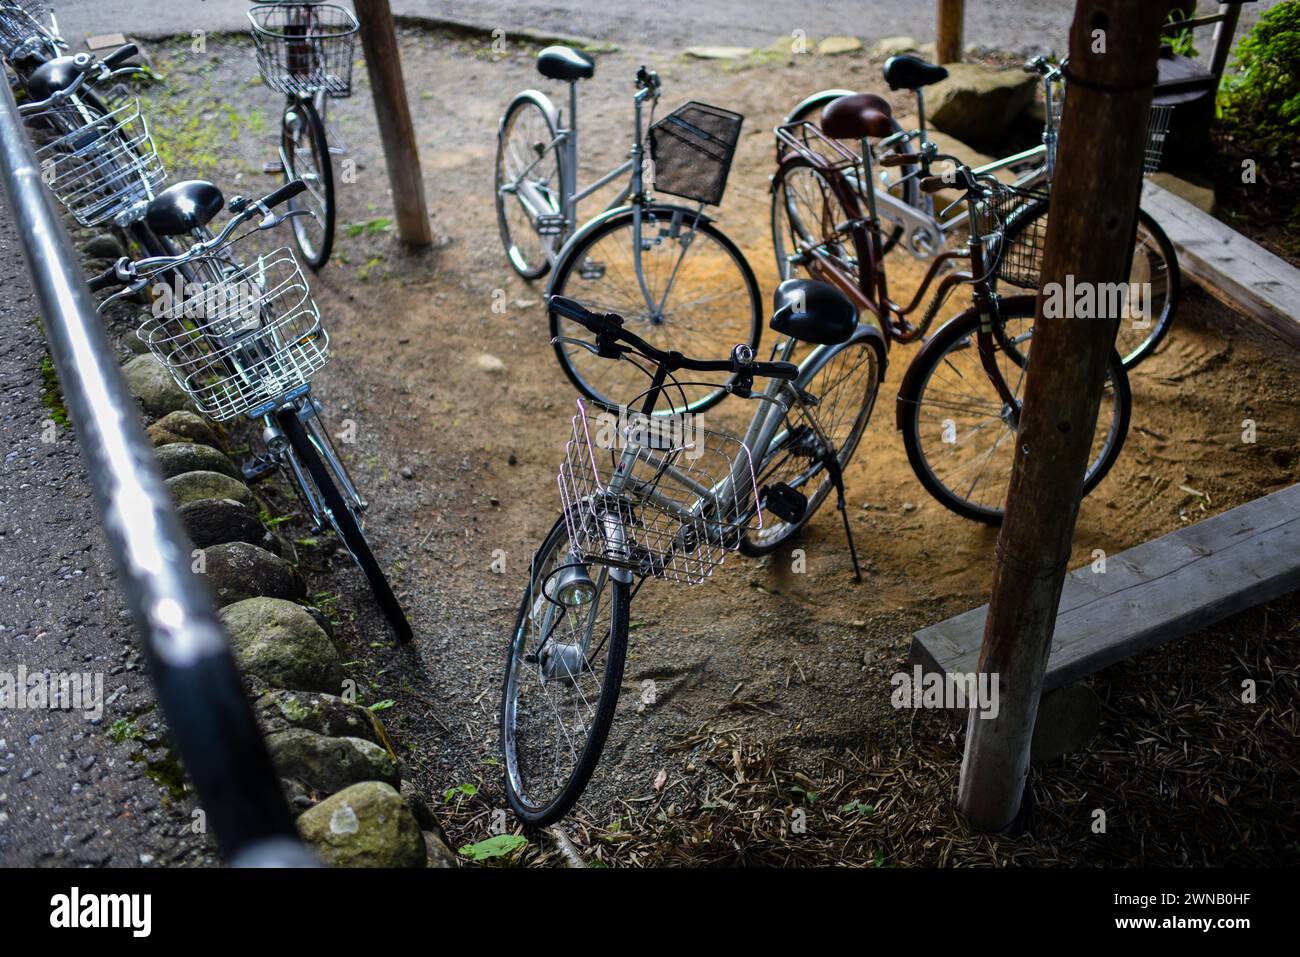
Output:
x=1113 y=47
x=379 y=40
x=948 y=41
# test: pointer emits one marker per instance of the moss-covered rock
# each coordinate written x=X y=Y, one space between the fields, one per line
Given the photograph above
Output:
x=366 y=825
x=281 y=644
x=185 y=426
x=153 y=386
x=326 y=764
x=215 y=521
x=176 y=458
x=237 y=570
x=197 y=486
x=280 y=710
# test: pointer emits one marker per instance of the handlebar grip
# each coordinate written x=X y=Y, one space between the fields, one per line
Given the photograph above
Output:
x=900 y=159
x=934 y=184
x=572 y=309
x=287 y=191
x=776 y=370
x=121 y=55
x=106 y=279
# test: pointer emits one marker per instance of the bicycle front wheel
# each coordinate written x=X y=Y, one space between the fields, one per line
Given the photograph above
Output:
x=959 y=434
x=306 y=156
x=342 y=512
x=699 y=297
x=563 y=671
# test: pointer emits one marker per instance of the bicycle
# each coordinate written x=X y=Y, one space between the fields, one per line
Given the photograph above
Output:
x=246 y=339
x=923 y=233
x=28 y=27
x=662 y=265
x=958 y=402
x=661 y=498
x=304 y=51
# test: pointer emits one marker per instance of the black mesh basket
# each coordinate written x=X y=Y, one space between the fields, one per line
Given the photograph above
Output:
x=1014 y=233
x=692 y=149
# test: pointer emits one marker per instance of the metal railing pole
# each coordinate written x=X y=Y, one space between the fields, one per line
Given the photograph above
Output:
x=193 y=671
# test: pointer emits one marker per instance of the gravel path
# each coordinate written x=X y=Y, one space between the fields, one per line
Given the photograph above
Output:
x=70 y=795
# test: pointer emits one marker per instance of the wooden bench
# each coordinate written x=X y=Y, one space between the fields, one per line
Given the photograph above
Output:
x=1241 y=273
x=1162 y=589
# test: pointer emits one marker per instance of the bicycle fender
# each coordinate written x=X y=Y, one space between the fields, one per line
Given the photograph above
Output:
x=865 y=331
x=535 y=96
x=808 y=101
x=935 y=342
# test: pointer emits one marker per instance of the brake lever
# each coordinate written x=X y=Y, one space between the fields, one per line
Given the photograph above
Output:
x=590 y=347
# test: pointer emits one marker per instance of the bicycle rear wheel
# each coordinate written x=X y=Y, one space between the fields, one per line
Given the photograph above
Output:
x=306 y=156
x=343 y=515
x=529 y=184
x=563 y=670
x=808 y=203
x=705 y=300
x=960 y=436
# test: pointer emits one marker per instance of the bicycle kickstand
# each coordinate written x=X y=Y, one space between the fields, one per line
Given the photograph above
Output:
x=832 y=463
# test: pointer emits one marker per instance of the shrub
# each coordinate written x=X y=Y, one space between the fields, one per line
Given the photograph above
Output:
x=1262 y=95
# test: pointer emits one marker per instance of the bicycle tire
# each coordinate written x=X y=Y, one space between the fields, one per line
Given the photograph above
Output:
x=749 y=544
x=853 y=249
x=574 y=255
x=344 y=521
x=541 y=814
x=315 y=253
x=810 y=110
x=541 y=266
x=1131 y=355
x=935 y=353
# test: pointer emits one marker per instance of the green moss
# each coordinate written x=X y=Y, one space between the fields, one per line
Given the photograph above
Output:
x=51 y=394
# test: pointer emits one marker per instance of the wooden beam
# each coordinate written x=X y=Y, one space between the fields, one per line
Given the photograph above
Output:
x=396 y=131
x=1099 y=178
x=1240 y=273
x=1157 y=591
x=1223 y=34
x=948 y=41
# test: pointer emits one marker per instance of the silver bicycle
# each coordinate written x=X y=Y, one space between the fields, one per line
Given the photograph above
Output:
x=245 y=339
x=28 y=28
x=646 y=497
x=909 y=218
x=665 y=267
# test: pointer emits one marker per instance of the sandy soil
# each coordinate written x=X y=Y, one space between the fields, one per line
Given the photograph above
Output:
x=799 y=659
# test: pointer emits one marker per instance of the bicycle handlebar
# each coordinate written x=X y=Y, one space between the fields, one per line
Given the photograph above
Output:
x=120 y=55
x=608 y=329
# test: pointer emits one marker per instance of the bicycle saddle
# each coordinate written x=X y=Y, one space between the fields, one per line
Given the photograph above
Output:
x=813 y=311
x=183 y=207
x=907 y=72
x=565 y=63
x=52 y=76
x=857 y=115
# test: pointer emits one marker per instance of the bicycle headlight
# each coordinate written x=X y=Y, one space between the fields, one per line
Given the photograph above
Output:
x=574 y=587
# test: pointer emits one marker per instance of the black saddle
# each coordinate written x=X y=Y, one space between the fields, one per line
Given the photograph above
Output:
x=565 y=63
x=907 y=72
x=52 y=76
x=183 y=207
x=813 y=311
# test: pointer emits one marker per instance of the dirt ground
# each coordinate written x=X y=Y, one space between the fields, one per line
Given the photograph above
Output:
x=762 y=675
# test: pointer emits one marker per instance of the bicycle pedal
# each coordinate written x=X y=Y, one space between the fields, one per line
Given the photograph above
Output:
x=590 y=269
x=273 y=166
x=550 y=224
x=258 y=468
x=786 y=503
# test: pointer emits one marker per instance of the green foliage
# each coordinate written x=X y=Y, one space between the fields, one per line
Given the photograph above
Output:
x=498 y=846
x=1182 y=43
x=51 y=396
x=124 y=729
x=467 y=789
x=1262 y=95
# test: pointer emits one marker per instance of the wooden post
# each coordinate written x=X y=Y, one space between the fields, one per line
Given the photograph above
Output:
x=1224 y=31
x=948 y=42
x=1113 y=48
x=379 y=40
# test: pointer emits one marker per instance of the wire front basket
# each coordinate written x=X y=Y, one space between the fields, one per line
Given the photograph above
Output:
x=21 y=20
x=239 y=339
x=692 y=148
x=1014 y=229
x=659 y=496
x=98 y=165
x=305 y=48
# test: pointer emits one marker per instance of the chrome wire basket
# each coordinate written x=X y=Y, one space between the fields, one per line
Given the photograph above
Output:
x=97 y=165
x=20 y=20
x=239 y=339
x=1014 y=233
x=658 y=496
x=305 y=48
x=1158 y=119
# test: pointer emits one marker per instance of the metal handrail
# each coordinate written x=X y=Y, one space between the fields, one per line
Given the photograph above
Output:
x=190 y=662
